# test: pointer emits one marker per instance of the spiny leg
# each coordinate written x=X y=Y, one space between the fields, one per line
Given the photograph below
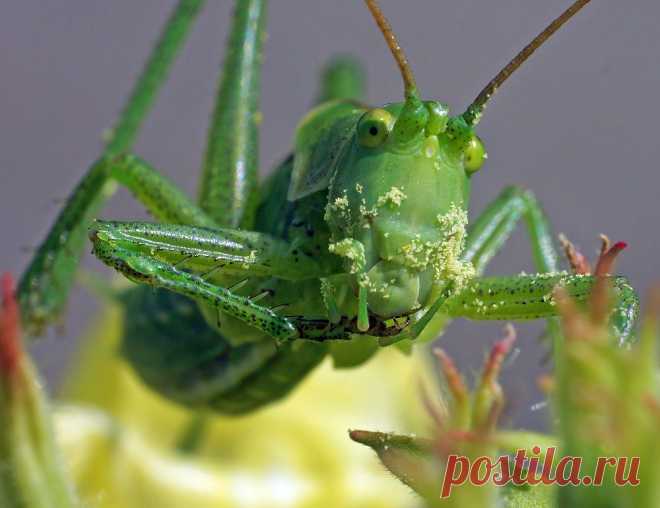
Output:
x=163 y=255
x=146 y=270
x=45 y=285
x=532 y=297
x=228 y=188
x=494 y=227
x=207 y=251
x=160 y=196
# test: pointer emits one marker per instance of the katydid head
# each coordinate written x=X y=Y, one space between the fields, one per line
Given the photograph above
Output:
x=399 y=187
x=397 y=204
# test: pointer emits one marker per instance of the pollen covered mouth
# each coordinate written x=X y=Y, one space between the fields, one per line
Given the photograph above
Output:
x=394 y=290
x=381 y=287
x=394 y=265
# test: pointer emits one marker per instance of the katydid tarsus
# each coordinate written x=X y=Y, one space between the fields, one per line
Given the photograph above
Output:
x=358 y=240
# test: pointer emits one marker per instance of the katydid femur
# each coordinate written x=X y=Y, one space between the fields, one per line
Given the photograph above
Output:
x=358 y=240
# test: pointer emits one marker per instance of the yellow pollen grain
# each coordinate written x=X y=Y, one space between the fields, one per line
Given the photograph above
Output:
x=393 y=197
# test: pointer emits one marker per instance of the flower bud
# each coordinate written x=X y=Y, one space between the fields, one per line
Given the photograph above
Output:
x=31 y=475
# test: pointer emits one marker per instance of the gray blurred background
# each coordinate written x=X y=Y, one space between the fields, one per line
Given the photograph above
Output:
x=578 y=124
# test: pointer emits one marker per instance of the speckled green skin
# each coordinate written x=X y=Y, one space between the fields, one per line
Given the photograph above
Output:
x=359 y=239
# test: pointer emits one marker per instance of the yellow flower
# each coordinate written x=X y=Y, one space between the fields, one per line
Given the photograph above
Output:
x=120 y=437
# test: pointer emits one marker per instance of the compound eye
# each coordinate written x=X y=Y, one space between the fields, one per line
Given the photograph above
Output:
x=474 y=155
x=374 y=127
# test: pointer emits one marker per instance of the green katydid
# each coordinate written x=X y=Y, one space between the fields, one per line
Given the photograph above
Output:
x=358 y=240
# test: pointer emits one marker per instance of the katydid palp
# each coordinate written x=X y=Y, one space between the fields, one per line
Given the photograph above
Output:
x=358 y=240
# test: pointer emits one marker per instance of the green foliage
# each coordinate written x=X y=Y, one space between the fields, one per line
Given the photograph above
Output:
x=605 y=404
x=31 y=475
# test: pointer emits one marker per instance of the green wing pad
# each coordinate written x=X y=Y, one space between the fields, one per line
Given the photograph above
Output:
x=319 y=140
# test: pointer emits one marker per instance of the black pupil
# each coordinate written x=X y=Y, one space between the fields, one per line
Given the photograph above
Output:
x=373 y=130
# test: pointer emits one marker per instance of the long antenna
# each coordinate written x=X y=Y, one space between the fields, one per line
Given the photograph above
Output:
x=410 y=88
x=473 y=113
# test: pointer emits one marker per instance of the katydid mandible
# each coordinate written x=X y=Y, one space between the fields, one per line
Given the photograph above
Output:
x=356 y=241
